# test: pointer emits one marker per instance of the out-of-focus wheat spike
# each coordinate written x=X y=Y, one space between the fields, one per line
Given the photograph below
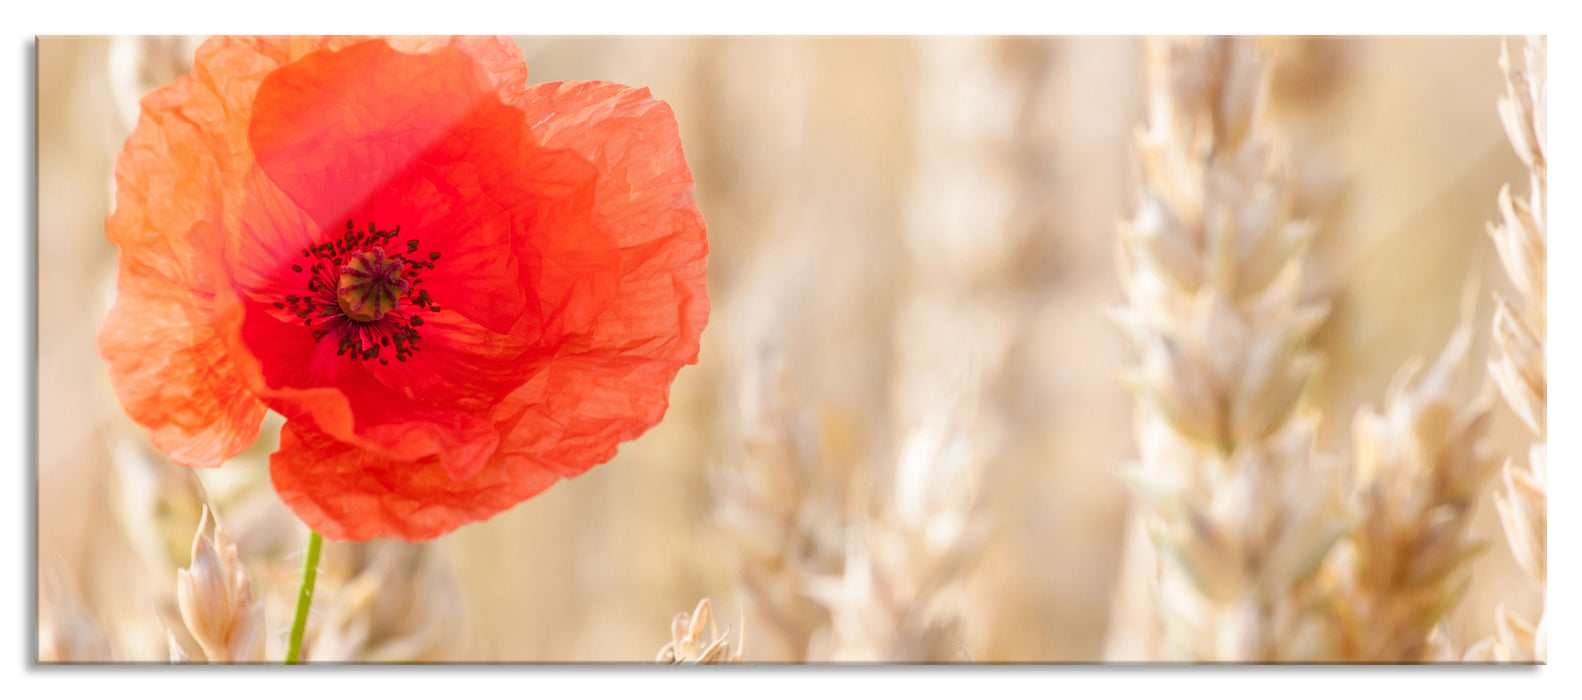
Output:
x=1518 y=366
x=1481 y=652
x=1514 y=633
x=778 y=491
x=178 y=654
x=216 y=599
x=1310 y=76
x=689 y=645
x=1238 y=504
x=1440 y=650
x=780 y=504
x=917 y=523
x=1524 y=512
x=1521 y=238
x=1420 y=469
x=1524 y=108
x=402 y=603
x=68 y=632
x=900 y=598
x=1541 y=638
x=154 y=504
x=1515 y=640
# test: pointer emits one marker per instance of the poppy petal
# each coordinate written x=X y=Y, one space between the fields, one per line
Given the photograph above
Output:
x=168 y=364
x=444 y=181
x=551 y=230
x=646 y=203
x=173 y=376
x=616 y=383
x=346 y=493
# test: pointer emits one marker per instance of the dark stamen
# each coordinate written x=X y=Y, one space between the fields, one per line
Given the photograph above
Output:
x=357 y=291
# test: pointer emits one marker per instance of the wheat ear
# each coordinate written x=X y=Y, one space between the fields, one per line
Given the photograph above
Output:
x=777 y=499
x=1237 y=502
x=216 y=600
x=689 y=645
x=899 y=597
x=1520 y=325
x=1419 y=469
x=68 y=630
x=918 y=522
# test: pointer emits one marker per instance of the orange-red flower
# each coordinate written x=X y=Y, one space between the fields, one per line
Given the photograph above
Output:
x=457 y=288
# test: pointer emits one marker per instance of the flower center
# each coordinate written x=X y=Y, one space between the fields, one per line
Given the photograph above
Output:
x=365 y=297
x=371 y=285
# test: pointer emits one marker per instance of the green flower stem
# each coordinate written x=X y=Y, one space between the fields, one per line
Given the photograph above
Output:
x=310 y=571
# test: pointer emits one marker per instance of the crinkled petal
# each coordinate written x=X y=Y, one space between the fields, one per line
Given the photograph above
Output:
x=168 y=364
x=178 y=186
x=347 y=493
x=629 y=308
x=569 y=259
x=615 y=383
x=172 y=374
x=469 y=184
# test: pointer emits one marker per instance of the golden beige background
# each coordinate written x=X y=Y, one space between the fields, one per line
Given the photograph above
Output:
x=896 y=225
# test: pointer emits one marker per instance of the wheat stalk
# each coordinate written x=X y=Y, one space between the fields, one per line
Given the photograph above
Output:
x=216 y=600
x=1519 y=329
x=1237 y=502
x=689 y=645
x=1419 y=470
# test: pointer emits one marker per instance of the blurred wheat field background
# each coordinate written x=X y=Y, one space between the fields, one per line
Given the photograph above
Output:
x=904 y=437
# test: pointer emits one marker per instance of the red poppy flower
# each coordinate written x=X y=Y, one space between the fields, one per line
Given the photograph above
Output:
x=455 y=287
